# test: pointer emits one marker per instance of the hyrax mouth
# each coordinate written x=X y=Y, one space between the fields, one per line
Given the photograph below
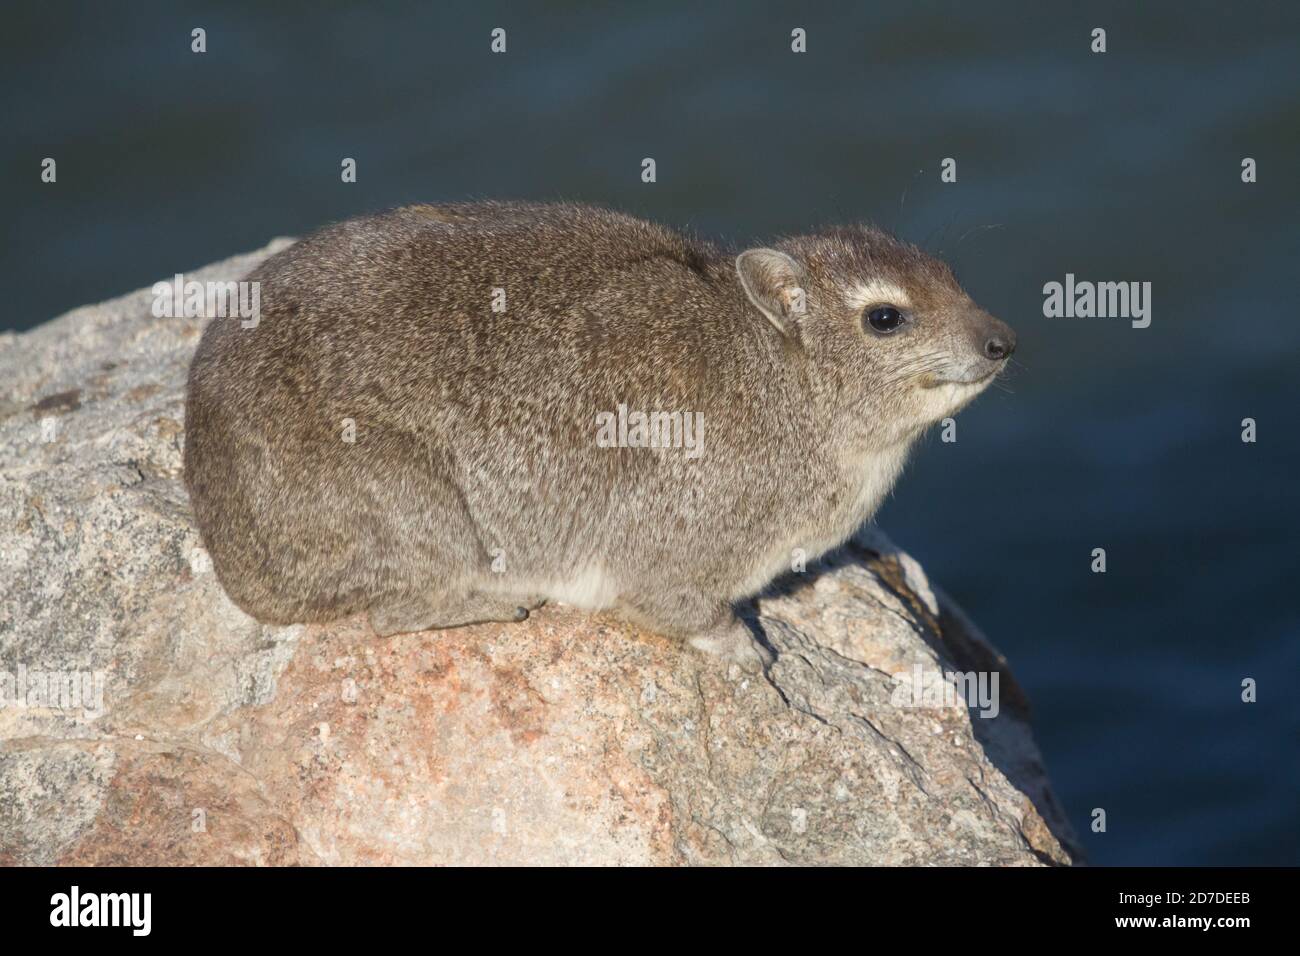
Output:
x=931 y=380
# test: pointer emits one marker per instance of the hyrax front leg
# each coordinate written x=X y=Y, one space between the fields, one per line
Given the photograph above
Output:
x=708 y=625
x=734 y=641
x=436 y=611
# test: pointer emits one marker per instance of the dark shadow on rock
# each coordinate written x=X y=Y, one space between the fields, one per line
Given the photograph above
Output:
x=1006 y=738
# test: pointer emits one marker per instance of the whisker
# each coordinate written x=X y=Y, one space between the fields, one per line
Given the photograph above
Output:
x=942 y=230
x=975 y=229
x=903 y=199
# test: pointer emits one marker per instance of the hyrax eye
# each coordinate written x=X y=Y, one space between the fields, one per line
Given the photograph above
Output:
x=884 y=319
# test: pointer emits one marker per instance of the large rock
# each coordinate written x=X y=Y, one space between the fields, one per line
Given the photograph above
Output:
x=567 y=739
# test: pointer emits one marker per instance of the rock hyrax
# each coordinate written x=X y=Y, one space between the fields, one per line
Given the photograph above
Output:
x=450 y=414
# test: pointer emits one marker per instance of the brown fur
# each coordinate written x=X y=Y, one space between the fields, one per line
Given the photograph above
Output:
x=476 y=430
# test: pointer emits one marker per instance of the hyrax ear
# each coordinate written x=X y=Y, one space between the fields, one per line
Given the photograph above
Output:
x=774 y=283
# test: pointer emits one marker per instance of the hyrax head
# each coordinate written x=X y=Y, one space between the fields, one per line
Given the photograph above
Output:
x=886 y=328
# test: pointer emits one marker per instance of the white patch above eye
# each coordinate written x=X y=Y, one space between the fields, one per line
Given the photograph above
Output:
x=878 y=292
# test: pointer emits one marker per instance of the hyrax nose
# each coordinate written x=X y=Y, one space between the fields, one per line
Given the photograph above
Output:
x=999 y=341
x=999 y=347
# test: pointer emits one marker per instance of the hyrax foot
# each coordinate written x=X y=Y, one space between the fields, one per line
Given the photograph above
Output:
x=735 y=642
x=420 y=614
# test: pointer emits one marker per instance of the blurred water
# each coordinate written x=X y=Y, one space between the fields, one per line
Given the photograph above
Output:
x=1116 y=167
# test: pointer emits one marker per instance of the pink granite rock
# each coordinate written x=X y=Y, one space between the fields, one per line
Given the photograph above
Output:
x=566 y=739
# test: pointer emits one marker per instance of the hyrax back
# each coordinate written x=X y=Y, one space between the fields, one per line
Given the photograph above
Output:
x=430 y=421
